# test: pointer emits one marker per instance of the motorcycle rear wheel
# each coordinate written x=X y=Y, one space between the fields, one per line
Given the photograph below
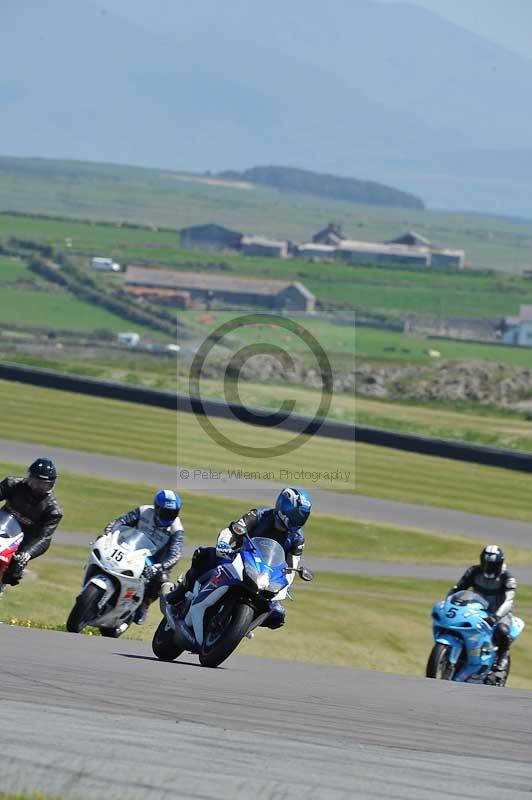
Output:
x=211 y=655
x=163 y=643
x=85 y=608
x=438 y=664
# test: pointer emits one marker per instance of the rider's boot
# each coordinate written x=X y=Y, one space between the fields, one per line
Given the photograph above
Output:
x=141 y=613
x=500 y=667
x=501 y=664
x=166 y=588
x=178 y=594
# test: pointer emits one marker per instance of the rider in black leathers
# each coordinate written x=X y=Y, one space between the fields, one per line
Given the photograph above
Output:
x=31 y=500
x=492 y=580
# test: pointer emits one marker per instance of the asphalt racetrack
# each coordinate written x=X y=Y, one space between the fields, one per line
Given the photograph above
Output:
x=86 y=717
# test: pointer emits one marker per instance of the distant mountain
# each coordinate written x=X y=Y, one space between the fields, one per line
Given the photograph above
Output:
x=386 y=92
x=290 y=179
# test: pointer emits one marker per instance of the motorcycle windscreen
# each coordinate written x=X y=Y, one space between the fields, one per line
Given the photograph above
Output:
x=9 y=527
x=270 y=551
x=467 y=598
x=262 y=565
x=136 y=540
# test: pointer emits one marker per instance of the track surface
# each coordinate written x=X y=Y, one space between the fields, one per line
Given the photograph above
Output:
x=92 y=718
x=336 y=503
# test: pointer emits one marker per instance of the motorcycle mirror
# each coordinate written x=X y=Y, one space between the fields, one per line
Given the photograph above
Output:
x=306 y=574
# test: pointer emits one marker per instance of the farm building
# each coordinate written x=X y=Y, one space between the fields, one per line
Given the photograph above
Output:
x=315 y=250
x=331 y=235
x=371 y=252
x=447 y=258
x=210 y=237
x=411 y=239
x=518 y=330
x=173 y=297
x=439 y=256
x=208 y=287
x=259 y=246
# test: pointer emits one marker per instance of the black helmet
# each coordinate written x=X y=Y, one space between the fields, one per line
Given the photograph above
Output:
x=492 y=560
x=42 y=476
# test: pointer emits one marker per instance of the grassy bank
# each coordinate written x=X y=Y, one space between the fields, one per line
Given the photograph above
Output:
x=45 y=416
x=62 y=419
x=90 y=503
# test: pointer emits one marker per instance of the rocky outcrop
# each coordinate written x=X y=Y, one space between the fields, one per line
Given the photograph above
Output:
x=476 y=381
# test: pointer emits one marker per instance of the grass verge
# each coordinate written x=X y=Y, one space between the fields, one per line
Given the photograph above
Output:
x=90 y=503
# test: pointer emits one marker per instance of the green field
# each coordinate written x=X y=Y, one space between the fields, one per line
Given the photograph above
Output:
x=470 y=424
x=110 y=192
x=36 y=303
x=381 y=345
x=416 y=289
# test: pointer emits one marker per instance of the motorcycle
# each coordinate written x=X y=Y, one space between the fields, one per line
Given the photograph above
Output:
x=226 y=604
x=112 y=587
x=464 y=650
x=11 y=537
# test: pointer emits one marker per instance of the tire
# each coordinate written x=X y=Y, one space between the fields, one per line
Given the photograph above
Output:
x=438 y=664
x=85 y=608
x=211 y=655
x=163 y=643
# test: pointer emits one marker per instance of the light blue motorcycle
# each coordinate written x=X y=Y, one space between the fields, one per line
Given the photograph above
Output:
x=464 y=650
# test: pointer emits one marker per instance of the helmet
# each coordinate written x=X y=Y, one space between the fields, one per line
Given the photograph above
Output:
x=42 y=476
x=166 y=507
x=492 y=560
x=293 y=507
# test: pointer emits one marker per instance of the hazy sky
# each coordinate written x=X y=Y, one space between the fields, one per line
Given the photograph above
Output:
x=508 y=22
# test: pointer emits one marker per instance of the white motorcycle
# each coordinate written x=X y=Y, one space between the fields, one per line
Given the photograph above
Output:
x=113 y=588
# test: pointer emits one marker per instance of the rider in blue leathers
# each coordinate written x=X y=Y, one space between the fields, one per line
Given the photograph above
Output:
x=283 y=523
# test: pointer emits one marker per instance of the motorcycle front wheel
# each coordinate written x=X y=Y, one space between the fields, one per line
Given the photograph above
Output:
x=218 y=644
x=438 y=664
x=85 y=608
x=163 y=643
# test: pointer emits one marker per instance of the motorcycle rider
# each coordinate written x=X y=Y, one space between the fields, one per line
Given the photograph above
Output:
x=492 y=580
x=283 y=523
x=160 y=522
x=31 y=500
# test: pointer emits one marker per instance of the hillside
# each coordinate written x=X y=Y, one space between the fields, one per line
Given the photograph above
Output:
x=119 y=194
x=351 y=190
x=392 y=93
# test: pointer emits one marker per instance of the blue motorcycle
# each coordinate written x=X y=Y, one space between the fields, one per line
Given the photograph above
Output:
x=464 y=650
x=226 y=603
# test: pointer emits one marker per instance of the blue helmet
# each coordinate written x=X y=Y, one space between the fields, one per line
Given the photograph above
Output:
x=166 y=507
x=293 y=507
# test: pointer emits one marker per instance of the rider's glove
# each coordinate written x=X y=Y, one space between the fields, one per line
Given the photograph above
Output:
x=21 y=559
x=492 y=620
x=149 y=572
x=224 y=549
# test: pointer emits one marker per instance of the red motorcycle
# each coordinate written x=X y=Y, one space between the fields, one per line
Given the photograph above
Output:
x=11 y=537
